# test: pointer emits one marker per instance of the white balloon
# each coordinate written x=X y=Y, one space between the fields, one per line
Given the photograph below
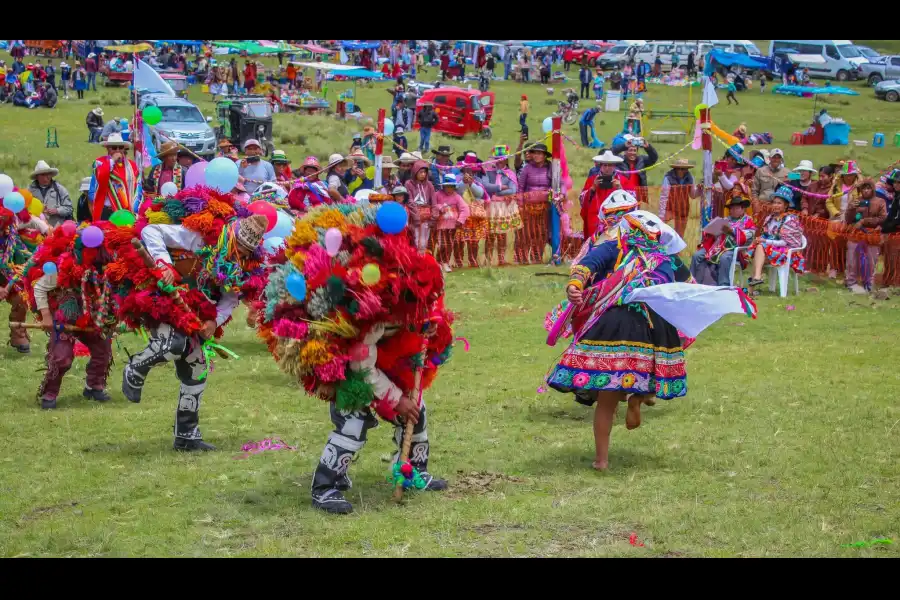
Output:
x=388 y=127
x=168 y=189
x=363 y=194
x=6 y=185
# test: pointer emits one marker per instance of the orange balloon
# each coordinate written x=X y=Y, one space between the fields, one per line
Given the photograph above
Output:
x=27 y=195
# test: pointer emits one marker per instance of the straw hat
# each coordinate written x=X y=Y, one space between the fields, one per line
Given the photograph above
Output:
x=97 y=111
x=806 y=165
x=336 y=159
x=42 y=168
x=681 y=163
x=358 y=155
x=608 y=158
x=387 y=164
x=115 y=139
x=167 y=149
x=407 y=158
x=399 y=190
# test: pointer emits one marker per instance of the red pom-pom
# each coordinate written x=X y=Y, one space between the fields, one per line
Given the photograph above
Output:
x=406 y=469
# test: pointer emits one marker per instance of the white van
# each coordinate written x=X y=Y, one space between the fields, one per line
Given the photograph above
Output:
x=664 y=49
x=619 y=54
x=736 y=46
x=842 y=58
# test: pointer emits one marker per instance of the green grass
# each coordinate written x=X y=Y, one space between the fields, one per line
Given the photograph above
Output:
x=785 y=446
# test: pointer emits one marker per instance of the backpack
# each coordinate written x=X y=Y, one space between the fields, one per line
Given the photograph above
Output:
x=83 y=210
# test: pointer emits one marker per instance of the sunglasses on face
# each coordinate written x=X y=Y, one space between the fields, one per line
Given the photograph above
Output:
x=119 y=148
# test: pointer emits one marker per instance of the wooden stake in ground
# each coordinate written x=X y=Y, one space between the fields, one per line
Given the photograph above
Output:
x=408 y=428
x=69 y=328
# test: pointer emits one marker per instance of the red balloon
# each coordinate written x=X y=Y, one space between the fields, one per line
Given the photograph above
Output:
x=261 y=207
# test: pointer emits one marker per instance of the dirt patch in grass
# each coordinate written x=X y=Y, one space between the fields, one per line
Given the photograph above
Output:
x=42 y=511
x=474 y=483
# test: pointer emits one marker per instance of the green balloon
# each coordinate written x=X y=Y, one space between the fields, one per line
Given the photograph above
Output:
x=122 y=218
x=152 y=115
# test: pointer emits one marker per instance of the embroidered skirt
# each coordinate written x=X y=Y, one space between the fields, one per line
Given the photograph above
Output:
x=777 y=256
x=503 y=216
x=622 y=353
x=476 y=226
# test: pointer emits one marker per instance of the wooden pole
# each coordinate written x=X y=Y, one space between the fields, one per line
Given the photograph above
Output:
x=70 y=328
x=556 y=176
x=379 y=148
x=706 y=140
x=408 y=427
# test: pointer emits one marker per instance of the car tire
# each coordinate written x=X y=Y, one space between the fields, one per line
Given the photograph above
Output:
x=843 y=75
x=875 y=79
x=892 y=96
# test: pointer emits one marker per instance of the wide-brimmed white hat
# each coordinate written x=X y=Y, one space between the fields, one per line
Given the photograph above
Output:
x=776 y=152
x=85 y=184
x=115 y=139
x=42 y=168
x=608 y=158
x=97 y=111
x=806 y=165
x=336 y=159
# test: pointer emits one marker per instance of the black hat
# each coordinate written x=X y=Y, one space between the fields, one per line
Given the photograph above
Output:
x=737 y=199
x=539 y=147
x=443 y=151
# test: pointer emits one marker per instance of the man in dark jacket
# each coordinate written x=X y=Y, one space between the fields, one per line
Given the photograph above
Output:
x=94 y=123
x=90 y=65
x=427 y=119
x=633 y=162
x=584 y=76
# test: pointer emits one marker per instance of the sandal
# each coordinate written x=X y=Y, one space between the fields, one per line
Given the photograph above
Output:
x=755 y=282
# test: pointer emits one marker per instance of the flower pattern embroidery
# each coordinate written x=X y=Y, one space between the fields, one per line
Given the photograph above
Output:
x=581 y=379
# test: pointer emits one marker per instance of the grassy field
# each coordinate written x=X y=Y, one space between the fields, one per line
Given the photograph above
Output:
x=785 y=446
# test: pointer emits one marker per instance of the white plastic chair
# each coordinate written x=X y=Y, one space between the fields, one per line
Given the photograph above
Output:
x=735 y=264
x=784 y=273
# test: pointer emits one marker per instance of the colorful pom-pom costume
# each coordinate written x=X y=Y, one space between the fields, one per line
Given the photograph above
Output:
x=19 y=236
x=368 y=318
x=214 y=258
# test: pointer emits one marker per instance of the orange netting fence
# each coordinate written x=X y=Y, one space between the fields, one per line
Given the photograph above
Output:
x=504 y=243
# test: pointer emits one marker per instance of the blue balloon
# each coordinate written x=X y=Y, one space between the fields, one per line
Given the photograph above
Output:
x=388 y=127
x=283 y=227
x=14 y=202
x=49 y=268
x=296 y=286
x=391 y=217
x=221 y=174
x=272 y=244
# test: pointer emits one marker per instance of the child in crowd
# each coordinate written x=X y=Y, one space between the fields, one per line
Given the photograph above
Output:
x=762 y=83
x=731 y=90
x=598 y=85
x=452 y=212
x=400 y=143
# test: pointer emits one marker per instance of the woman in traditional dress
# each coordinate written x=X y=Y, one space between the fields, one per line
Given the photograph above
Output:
x=475 y=229
x=535 y=177
x=503 y=210
x=781 y=231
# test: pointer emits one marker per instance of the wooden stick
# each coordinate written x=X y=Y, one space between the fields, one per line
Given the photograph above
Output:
x=176 y=295
x=408 y=428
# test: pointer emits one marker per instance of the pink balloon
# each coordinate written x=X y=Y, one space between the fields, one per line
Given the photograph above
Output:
x=333 y=240
x=196 y=175
x=69 y=227
x=359 y=352
x=261 y=207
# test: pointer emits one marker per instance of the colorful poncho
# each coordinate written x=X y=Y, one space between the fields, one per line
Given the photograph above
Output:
x=315 y=338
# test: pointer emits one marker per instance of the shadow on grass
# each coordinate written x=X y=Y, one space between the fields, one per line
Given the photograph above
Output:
x=575 y=461
x=583 y=414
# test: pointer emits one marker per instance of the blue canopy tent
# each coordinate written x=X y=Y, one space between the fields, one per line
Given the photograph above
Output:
x=192 y=43
x=350 y=45
x=728 y=59
x=546 y=43
x=800 y=90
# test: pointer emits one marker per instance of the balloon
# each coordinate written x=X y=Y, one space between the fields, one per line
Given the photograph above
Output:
x=196 y=175
x=36 y=207
x=333 y=241
x=283 y=227
x=359 y=352
x=69 y=227
x=92 y=236
x=152 y=115
x=27 y=195
x=261 y=207
x=547 y=125
x=388 y=127
x=391 y=217
x=296 y=286
x=272 y=244
x=49 y=268
x=14 y=202
x=222 y=174
x=169 y=189
x=371 y=274
x=6 y=185
x=122 y=218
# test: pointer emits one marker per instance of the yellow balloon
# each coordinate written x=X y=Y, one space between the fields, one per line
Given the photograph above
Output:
x=371 y=274
x=36 y=207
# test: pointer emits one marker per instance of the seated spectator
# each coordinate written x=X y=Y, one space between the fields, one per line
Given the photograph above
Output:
x=781 y=232
x=711 y=264
x=94 y=122
x=866 y=212
x=111 y=127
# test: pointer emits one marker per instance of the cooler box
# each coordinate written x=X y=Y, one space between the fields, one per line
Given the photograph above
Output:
x=837 y=134
x=613 y=99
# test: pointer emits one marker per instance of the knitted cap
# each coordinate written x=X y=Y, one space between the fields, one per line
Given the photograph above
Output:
x=250 y=231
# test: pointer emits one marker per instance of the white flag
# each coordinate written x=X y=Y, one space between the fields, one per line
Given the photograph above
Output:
x=344 y=58
x=709 y=93
x=148 y=79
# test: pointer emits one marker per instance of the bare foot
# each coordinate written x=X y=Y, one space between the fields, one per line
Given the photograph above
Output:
x=600 y=465
x=633 y=415
x=648 y=400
